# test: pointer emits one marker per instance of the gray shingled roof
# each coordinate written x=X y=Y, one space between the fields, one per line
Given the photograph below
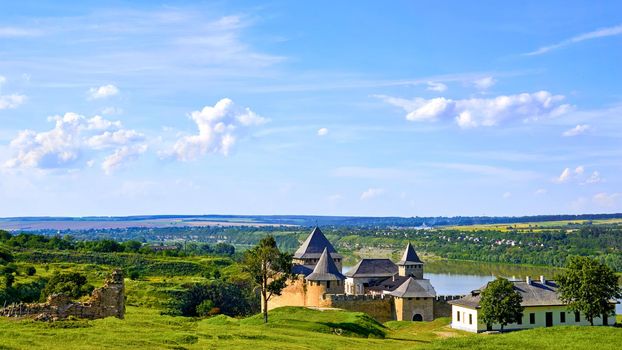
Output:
x=373 y=268
x=412 y=288
x=302 y=269
x=409 y=256
x=534 y=294
x=325 y=269
x=313 y=246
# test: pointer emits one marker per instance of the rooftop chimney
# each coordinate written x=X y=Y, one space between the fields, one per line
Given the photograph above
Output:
x=528 y=279
x=542 y=280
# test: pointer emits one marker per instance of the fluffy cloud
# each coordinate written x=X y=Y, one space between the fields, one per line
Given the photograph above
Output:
x=73 y=137
x=219 y=127
x=474 y=112
x=434 y=86
x=121 y=156
x=594 y=178
x=11 y=101
x=484 y=83
x=577 y=130
x=372 y=193
x=507 y=195
x=540 y=191
x=103 y=91
x=322 y=132
x=578 y=175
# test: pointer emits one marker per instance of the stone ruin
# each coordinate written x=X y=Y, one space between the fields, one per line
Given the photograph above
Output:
x=109 y=300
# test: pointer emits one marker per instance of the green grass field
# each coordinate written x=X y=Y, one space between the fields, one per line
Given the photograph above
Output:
x=289 y=328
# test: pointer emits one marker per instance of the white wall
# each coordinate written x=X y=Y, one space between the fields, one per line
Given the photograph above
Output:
x=540 y=319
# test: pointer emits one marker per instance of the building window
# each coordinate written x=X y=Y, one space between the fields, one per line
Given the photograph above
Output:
x=562 y=317
x=470 y=318
x=327 y=284
x=520 y=320
x=458 y=316
x=577 y=316
x=532 y=318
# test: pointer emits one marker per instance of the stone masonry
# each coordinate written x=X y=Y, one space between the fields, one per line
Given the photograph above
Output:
x=109 y=300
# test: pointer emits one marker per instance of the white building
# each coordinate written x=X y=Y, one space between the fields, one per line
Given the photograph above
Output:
x=542 y=308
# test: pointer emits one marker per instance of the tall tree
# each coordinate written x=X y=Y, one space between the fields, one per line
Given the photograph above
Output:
x=588 y=286
x=500 y=303
x=269 y=268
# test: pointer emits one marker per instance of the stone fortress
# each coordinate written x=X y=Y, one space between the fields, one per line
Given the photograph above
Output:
x=383 y=289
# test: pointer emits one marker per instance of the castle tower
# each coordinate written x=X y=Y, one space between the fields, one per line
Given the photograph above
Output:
x=326 y=277
x=310 y=251
x=410 y=264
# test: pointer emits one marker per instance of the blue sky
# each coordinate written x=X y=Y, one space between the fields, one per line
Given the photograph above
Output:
x=232 y=107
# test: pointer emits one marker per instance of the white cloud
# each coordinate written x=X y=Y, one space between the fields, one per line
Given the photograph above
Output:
x=484 y=83
x=322 y=132
x=121 y=156
x=474 y=112
x=11 y=101
x=578 y=175
x=372 y=193
x=335 y=198
x=507 y=195
x=219 y=127
x=540 y=192
x=594 y=178
x=605 y=199
x=577 y=130
x=103 y=91
x=112 y=110
x=73 y=137
x=436 y=86
x=600 y=33
x=564 y=176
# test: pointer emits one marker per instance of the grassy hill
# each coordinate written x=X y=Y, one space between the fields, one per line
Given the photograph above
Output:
x=289 y=328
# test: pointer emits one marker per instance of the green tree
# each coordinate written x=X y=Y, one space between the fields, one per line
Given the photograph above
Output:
x=500 y=303
x=588 y=286
x=72 y=284
x=269 y=269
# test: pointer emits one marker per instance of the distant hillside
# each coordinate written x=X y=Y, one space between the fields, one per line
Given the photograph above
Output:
x=101 y=222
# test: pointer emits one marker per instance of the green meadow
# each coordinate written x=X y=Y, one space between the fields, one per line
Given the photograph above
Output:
x=289 y=328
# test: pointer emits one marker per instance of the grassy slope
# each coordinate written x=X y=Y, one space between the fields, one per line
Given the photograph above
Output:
x=290 y=328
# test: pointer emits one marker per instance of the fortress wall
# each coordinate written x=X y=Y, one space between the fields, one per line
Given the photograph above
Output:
x=109 y=300
x=295 y=294
x=441 y=307
x=378 y=307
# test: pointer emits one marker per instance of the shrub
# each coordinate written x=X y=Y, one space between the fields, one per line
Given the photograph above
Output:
x=72 y=284
x=31 y=270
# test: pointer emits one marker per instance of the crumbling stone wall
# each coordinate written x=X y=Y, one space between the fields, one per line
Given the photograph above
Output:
x=109 y=300
x=377 y=306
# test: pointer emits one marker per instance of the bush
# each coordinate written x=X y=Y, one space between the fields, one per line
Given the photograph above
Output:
x=31 y=270
x=231 y=299
x=72 y=284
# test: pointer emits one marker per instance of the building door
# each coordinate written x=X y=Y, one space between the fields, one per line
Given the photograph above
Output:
x=418 y=318
x=549 y=319
x=605 y=320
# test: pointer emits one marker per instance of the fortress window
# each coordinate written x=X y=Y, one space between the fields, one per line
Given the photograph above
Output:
x=470 y=318
x=327 y=284
x=458 y=316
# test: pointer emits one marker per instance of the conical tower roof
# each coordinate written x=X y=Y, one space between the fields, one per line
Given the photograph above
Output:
x=314 y=245
x=409 y=256
x=325 y=269
x=412 y=288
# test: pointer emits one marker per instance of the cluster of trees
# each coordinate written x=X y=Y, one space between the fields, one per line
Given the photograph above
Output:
x=219 y=296
x=105 y=245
